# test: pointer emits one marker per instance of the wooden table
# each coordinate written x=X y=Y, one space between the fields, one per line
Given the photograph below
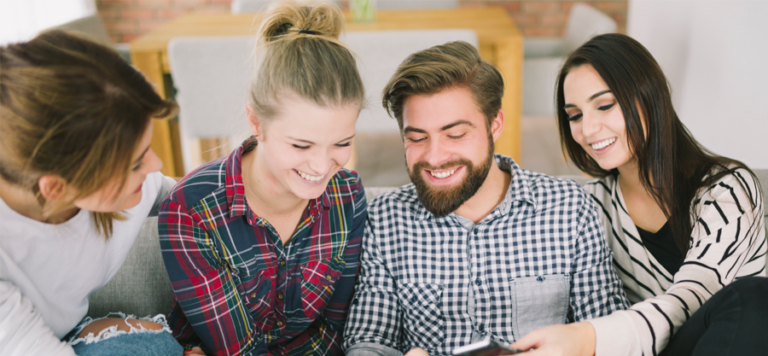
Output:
x=500 y=43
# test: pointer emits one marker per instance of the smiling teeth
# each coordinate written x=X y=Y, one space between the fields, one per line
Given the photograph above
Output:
x=603 y=144
x=309 y=177
x=443 y=175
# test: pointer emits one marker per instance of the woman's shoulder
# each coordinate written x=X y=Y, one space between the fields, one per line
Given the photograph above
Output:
x=601 y=188
x=732 y=184
x=345 y=181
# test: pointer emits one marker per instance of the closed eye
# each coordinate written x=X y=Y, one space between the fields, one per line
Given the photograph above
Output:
x=606 y=107
x=345 y=144
x=416 y=140
x=301 y=147
x=457 y=137
x=575 y=117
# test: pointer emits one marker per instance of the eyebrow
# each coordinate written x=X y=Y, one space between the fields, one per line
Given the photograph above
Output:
x=446 y=127
x=595 y=95
x=312 y=143
x=142 y=156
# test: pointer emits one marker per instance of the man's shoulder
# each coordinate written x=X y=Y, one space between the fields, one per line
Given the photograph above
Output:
x=403 y=199
x=547 y=189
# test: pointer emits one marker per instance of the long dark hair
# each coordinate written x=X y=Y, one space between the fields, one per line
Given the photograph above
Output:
x=671 y=163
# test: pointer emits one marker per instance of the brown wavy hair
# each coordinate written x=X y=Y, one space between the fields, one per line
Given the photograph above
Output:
x=672 y=165
x=72 y=108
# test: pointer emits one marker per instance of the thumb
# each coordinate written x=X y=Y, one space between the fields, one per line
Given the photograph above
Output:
x=530 y=341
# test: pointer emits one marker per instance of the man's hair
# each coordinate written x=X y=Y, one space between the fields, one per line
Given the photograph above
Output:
x=451 y=65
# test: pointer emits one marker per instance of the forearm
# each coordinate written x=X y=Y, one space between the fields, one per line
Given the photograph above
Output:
x=22 y=330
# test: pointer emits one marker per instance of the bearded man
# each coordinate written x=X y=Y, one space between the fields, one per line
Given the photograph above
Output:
x=476 y=247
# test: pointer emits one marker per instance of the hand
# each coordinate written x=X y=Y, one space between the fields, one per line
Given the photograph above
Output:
x=577 y=339
x=195 y=351
x=417 y=352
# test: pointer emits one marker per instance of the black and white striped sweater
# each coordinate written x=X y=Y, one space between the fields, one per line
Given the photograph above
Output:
x=727 y=242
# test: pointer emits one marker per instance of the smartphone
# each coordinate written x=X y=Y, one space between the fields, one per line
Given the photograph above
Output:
x=484 y=347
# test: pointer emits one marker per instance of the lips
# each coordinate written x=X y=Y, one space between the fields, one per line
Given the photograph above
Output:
x=138 y=189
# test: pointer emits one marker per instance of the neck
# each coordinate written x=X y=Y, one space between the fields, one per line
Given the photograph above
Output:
x=629 y=178
x=490 y=195
x=25 y=203
x=265 y=195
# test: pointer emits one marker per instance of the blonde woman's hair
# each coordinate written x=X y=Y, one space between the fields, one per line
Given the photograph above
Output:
x=298 y=51
x=72 y=108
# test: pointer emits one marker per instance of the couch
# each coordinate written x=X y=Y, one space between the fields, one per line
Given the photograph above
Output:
x=141 y=287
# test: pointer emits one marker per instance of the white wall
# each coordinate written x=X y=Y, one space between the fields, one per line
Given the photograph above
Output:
x=715 y=56
x=21 y=20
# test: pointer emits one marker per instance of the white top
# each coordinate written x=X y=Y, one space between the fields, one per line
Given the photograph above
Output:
x=727 y=243
x=47 y=271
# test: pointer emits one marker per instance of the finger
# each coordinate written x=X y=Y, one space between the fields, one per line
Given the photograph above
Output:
x=529 y=341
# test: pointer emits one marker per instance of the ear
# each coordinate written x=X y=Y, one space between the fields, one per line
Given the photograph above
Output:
x=253 y=121
x=52 y=187
x=497 y=125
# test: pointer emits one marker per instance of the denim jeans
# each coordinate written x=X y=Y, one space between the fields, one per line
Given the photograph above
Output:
x=137 y=341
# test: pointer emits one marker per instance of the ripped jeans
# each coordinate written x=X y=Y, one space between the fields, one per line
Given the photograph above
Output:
x=113 y=342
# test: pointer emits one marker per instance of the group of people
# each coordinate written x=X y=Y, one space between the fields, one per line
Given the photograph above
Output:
x=275 y=250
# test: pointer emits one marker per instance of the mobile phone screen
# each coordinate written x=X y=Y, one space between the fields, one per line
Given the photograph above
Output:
x=485 y=347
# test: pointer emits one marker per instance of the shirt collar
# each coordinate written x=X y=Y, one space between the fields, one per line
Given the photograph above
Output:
x=235 y=189
x=519 y=190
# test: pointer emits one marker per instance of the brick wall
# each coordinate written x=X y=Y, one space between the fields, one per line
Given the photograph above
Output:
x=127 y=19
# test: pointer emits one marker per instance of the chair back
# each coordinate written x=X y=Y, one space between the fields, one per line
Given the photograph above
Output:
x=585 y=22
x=89 y=26
x=243 y=6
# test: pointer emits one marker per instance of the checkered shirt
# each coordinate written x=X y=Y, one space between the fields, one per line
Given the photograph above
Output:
x=539 y=258
x=238 y=290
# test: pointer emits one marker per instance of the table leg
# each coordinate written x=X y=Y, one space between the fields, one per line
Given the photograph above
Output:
x=509 y=60
x=163 y=143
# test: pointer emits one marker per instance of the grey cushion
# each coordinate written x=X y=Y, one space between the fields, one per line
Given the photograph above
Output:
x=141 y=287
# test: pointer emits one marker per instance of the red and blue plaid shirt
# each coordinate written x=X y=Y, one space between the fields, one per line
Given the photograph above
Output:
x=238 y=290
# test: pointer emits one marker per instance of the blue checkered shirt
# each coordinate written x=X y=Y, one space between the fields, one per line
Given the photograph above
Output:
x=539 y=258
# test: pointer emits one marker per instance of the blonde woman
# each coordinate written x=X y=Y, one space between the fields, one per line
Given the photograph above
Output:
x=262 y=246
x=77 y=180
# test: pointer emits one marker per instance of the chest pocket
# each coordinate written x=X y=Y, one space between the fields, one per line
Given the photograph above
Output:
x=318 y=279
x=423 y=321
x=257 y=292
x=540 y=301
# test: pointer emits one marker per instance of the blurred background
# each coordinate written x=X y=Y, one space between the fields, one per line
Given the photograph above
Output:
x=714 y=54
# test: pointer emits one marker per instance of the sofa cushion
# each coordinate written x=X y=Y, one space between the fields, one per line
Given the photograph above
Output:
x=141 y=287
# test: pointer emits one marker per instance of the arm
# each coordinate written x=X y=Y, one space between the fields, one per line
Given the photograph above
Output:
x=325 y=334
x=202 y=284
x=597 y=289
x=374 y=323
x=22 y=330
x=726 y=236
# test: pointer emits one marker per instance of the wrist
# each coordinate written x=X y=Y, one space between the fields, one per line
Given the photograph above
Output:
x=587 y=332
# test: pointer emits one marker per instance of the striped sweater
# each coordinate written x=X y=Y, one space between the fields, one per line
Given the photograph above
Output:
x=727 y=242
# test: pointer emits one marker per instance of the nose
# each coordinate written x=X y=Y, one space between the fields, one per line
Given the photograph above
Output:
x=436 y=153
x=321 y=162
x=590 y=125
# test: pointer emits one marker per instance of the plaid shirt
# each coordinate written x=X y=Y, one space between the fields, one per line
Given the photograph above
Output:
x=237 y=289
x=539 y=258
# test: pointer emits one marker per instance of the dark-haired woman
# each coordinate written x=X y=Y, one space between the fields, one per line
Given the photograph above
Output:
x=685 y=225
x=77 y=181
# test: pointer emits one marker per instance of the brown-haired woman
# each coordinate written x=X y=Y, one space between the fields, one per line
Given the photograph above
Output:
x=77 y=180
x=262 y=246
x=683 y=223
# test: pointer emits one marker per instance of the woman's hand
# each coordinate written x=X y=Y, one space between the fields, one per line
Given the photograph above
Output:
x=417 y=352
x=577 y=339
x=195 y=351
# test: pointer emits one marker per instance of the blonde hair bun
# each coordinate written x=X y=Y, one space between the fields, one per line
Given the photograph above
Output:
x=288 y=19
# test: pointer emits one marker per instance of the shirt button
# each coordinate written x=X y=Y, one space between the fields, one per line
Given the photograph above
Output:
x=279 y=323
x=282 y=262
x=478 y=282
x=328 y=277
x=280 y=296
x=253 y=295
x=540 y=278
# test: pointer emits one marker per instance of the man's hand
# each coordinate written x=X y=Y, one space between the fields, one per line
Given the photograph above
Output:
x=417 y=352
x=577 y=339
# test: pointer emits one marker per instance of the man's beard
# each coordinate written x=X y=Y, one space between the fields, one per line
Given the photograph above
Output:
x=445 y=200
